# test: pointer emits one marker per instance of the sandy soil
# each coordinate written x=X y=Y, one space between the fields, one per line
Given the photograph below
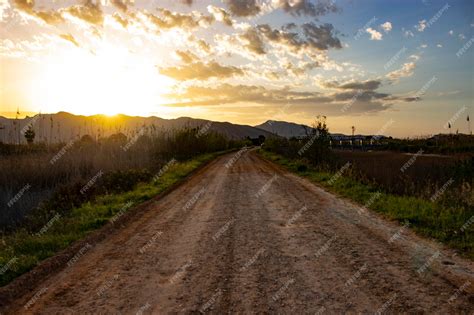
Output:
x=251 y=238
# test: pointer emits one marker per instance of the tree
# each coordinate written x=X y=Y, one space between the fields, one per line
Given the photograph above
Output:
x=30 y=135
x=318 y=142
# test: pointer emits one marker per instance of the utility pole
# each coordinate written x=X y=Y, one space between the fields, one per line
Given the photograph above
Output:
x=17 y=124
x=352 y=142
x=469 y=132
x=2 y=129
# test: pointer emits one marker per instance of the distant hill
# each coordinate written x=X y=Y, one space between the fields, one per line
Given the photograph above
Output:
x=62 y=127
x=290 y=130
x=285 y=129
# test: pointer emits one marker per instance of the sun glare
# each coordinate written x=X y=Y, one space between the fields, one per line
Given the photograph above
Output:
x=109 y=81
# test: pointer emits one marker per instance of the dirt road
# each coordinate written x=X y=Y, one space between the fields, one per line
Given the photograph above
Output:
x=243 y=236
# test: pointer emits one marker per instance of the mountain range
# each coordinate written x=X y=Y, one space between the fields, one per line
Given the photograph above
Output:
x=62 y=127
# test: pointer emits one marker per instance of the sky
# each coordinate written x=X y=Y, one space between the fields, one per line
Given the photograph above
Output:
x=402 y=68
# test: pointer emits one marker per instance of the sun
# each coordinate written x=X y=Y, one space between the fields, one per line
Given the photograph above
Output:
x=108 y=81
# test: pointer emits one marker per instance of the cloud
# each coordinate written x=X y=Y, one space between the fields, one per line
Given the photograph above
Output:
x=316 y=37
x=220 y=15
x=70 y=38
x=252 y=41
x=328 y=103
x=49 y=17
x=120 y=4
x=421 y=26
x=387 y=26
x=321 y=37
x=353 y=85
x=88 y=12
x=168 y=19
x=439 y=45
x=201 y=71
x=374 y=35
x=121 y=20
x=408 y=33
x=307 y=7
x=406 y=70
x=451 y=32
x=186 y=56
x=243 y=7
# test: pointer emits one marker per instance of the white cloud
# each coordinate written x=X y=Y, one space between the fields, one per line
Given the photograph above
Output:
x=439 y=45
x=387 y=26
x=451 y=32
x=462 y=37
x=406 y=70
x=421 y=26
x=4 y=7
x=423 y=46
x=374 y=35
x=408 y=33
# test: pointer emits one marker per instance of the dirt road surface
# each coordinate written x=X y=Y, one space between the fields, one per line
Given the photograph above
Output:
x=242 y=236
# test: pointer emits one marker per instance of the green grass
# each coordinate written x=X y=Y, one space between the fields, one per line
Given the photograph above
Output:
x=28 y=250
x=425 y=217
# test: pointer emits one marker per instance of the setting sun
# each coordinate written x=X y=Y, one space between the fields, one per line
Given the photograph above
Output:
x=108 y=81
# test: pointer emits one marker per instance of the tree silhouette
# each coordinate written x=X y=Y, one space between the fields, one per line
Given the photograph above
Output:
x=30 y=135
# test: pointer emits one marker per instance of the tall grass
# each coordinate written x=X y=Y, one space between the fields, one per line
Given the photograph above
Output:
x=54 y=175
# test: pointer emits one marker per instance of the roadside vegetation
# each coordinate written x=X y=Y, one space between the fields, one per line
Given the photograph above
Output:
x=433 y=195
x=89 y=184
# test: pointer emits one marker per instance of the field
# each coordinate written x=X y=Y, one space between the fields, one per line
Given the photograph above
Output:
x=410 y=174
x=421 y=202
x=39 y=180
